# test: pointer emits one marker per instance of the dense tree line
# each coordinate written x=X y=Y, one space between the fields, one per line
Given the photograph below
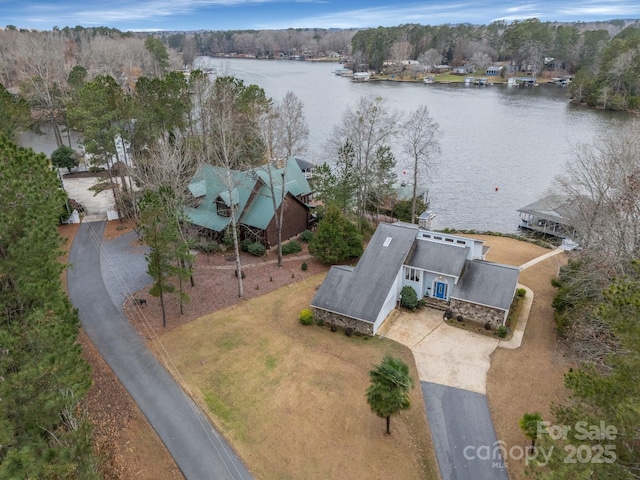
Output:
x=597 y=313
x=604 y=389
x=602 y=55
x=42 y=375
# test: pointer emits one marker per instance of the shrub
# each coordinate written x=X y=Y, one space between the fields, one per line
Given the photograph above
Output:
x=521 y=292
x=306 y=317
x=502 y=331
x=241 y=273
x=348 y=331
x=64 y=157
x=409 y=298
x=257 y=249
x=333 y=328
x=227 y=239
x=206 y=246
x=291 y=247
x=487 y=326
x=460 y=318
x=304 y=266
x=245 y=244
x=320 y=322
x=306 y=236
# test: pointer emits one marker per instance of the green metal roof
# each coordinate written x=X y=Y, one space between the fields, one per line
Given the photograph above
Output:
x=211 y=182
x=206 y=219
x=260 y=212
x=226 y=197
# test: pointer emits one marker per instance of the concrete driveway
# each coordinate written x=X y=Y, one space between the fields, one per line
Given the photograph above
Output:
x=95 y=206
x=444 y=354
x=452 y=366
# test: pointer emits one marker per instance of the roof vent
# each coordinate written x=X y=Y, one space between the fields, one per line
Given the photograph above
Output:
x=387 y=241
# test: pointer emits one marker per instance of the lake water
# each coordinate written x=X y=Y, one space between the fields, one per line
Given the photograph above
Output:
x=501 y=147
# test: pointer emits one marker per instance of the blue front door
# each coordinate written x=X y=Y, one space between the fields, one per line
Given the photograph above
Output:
x=440 y=290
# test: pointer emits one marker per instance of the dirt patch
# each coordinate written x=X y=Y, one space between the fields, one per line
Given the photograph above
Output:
x=290 y=398
x=116 y=228
x=216 y=287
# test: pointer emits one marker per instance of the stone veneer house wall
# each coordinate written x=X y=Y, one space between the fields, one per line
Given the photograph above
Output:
x=446 y=269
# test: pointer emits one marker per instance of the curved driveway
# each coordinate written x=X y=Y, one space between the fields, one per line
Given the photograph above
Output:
x=199 y=451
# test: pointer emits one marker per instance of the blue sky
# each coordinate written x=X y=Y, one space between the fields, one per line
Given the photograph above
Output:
x=276 y=14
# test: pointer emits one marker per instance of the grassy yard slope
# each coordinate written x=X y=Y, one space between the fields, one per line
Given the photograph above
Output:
x=291 y=398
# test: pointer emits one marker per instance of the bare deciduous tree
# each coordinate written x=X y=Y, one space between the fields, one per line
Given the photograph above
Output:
x=420 y=134
x=430 y=58
x=291 y=130
x=602 y=184
x=233 y=110
x=400 y=52
x=368 y=127
x=284 y=132
x=43 y=73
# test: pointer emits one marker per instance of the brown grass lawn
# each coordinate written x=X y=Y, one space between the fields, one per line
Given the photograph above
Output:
x=530 y=378
x=291 y=398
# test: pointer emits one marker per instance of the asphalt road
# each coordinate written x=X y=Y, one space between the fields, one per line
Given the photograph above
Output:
x=463 y=434
x=199 y=451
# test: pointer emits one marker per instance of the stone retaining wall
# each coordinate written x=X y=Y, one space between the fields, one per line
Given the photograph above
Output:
x=340 y=321
x=477 y=313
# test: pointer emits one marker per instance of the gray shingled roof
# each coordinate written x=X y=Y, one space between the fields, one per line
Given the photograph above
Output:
x=552 y=207
x=486 y=283
x=361 y=292
x=438 y=258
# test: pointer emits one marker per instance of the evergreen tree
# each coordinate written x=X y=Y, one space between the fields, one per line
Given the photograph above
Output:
x=604 y=397
x=336 y=238
x=15 y=114
x=43 y=376
x=159 y=53
x=169 y=257
x=64 y=157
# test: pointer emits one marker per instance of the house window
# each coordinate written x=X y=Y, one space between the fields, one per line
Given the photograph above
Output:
x=222 y=208
x=412 y=274
x=461 y=242
x=449 y=240
x=437 y=238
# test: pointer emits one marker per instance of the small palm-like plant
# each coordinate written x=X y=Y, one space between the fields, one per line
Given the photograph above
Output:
x=389 y=390
x=529 y=423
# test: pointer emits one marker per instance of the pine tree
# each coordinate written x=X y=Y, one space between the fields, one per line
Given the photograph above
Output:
x=43 y=375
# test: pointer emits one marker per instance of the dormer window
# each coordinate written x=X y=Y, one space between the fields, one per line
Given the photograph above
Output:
x=222 y=208
x=224 y=202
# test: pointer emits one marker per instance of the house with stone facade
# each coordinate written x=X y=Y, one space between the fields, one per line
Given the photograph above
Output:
x=446 y=271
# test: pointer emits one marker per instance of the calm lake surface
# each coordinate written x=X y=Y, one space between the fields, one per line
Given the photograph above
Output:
x=501 y=147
